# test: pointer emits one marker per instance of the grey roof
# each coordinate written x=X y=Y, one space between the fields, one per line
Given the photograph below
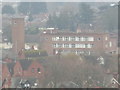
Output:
x=25 y=64
x=11 y=67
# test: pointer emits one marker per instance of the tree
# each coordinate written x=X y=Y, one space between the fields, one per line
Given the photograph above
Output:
x=65 y=21
x=32 y=30
x=108 y=20
x=7 y=32
x=104 y=7
x=111 y=63
x=24 y=7
x=85 y=14
x=52 y=22
x=30 y=18
x=32 y=7
x=70 y=67
x=38 y=7
x=7 y=9
x=35 y=53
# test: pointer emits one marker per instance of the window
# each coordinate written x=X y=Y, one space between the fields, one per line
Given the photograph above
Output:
x=63 y=38
x=89 y=46
x=86 y=45
x=53 y=38
x=70 y=45
x=33 y=70
x=72 y=38
x=66 y=45
x=82 y=39
x=77 y=46
x=99 y=38
x=76 y=39
x=106 y=38
x=60 y=38
x=55 y=45
x=92 y=45
x=82 y=45
x=79 y=38
x=57 y=38
x=66 y=38
x=110 y=44
x=60 y=45
x=90 y=38
x=38 y=70
x=73 y=45
x=86 y=38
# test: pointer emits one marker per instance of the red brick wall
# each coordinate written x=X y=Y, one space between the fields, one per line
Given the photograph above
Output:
x=99 y=45
x=6 y=75
x=18 y=35
x=33 y=70
x=18 y=72
x=5 y=72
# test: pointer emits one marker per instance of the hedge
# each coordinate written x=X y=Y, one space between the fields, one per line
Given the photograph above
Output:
x=35 y=53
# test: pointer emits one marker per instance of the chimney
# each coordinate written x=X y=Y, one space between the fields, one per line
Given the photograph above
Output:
x=18 y=25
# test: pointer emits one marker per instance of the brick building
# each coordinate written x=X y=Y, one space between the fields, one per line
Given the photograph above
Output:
x=18 y=25
x=55 y=41
x=6 y=77
x=22 y=69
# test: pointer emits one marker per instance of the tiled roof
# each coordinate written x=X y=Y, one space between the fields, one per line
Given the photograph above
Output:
x=10 y=67
x=25 y=64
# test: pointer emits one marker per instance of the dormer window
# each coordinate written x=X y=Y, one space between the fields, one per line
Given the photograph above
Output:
x=38 y=70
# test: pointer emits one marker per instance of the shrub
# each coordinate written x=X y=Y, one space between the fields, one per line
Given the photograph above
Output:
x=35 y=53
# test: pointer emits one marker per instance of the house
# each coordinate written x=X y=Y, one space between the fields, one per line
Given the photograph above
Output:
x=35 y=69
x=6 y=77
x=10 y=67
x=32 y=71
x=8 y=60
x=28 y=68
x=18 y=71
x=21 y=69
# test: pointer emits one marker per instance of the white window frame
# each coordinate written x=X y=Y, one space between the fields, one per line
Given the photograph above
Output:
x=76 y=39
x=110 y=44
x=90 y=38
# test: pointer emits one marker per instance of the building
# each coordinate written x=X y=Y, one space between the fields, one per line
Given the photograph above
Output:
x=55 y=41
x=6 y=77
x=18 y=25
x=14 y=71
